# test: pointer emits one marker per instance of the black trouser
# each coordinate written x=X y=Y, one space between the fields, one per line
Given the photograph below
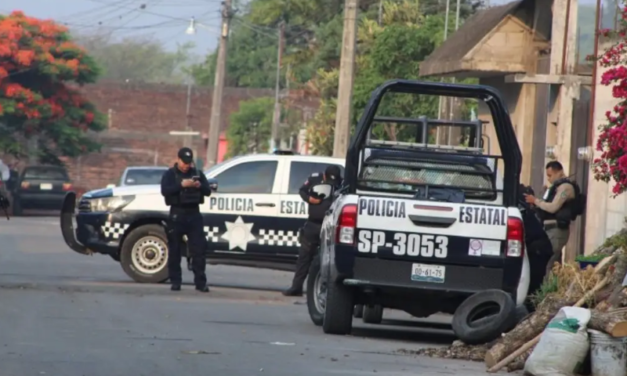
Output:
x=192 y=226
x=539 y=253
x=309 y=243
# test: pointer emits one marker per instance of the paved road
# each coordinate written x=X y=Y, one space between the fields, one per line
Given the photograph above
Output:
x=71 y=315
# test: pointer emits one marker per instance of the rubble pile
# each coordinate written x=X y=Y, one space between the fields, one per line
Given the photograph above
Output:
x=599 y=288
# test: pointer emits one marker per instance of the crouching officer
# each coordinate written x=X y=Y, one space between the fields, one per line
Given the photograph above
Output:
x=310 y=233
x=184 y=189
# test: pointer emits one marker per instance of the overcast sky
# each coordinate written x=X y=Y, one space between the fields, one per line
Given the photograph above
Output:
x=166 y=20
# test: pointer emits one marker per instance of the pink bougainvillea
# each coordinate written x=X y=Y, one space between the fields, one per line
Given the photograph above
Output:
x=612 y=141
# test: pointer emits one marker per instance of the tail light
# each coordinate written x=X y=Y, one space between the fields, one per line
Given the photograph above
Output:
x=25 y=185
x=67 y=186
x=515 y=237
x=346 y=224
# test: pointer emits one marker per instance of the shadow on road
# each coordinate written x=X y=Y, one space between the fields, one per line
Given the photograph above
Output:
x=407 y=331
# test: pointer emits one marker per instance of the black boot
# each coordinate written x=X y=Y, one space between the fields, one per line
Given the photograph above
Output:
x=176 y=287
x=293 y=291
x=204 y=288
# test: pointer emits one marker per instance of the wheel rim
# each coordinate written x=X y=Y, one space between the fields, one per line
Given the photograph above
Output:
x=320 y=292
x=150 y=255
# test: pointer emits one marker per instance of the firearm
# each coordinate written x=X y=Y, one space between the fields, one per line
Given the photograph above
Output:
x=4 y=204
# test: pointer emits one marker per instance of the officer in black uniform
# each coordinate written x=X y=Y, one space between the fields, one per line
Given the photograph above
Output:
x=310 y=233
x=4 y=204
x=184 y=189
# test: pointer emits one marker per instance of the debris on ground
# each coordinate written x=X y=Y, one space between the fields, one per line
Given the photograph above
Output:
x=601 y=288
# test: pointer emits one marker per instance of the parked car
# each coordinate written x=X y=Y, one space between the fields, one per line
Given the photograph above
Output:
x=39 y=188
x=252 y=219
x=140 y=175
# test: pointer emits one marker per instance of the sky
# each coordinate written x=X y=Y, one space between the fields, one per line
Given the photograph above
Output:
x=165 y=20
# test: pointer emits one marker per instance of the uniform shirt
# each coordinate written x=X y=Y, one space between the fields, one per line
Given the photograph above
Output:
x=171 y=186
x=316 y=212
x=563 y=193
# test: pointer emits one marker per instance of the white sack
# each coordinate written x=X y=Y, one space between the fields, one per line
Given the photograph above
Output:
x=563 y=346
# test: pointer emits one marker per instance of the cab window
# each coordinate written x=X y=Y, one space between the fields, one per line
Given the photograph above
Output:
x=300 y=171
x=248 y=177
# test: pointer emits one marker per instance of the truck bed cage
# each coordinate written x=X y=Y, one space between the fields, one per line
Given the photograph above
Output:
x=423 y=124
x=505 y=135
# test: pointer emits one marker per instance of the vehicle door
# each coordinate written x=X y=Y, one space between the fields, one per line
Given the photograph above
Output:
x=242 y=211
x=292 y=209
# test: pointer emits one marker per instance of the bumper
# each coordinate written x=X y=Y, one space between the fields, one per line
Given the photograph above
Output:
x=370 y=272
x=86 y=238
x=42 y=200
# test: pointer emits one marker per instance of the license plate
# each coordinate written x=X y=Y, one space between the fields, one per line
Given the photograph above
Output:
x=428 y=273
x=45 y=186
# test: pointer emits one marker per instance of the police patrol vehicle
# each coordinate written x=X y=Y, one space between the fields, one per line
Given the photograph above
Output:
x=253 y=218
x=420 y=227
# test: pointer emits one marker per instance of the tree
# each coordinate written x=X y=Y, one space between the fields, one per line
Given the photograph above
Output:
x=39 y=68
x=250 y=127
x=612 y=142
x=137 y=58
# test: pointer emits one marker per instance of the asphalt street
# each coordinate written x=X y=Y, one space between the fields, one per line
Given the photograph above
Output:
x=65 y=314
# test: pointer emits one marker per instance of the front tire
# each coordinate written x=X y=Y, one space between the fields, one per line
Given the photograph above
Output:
x=316 y=289
x=338 y=313
x=144 y=254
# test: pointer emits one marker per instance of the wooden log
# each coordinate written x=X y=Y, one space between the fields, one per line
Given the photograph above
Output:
x=508 y=359
x=519 y=363
x=525 y=330
x=614 y=324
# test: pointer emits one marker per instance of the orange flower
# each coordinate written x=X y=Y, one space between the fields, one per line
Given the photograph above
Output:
x=25 y=57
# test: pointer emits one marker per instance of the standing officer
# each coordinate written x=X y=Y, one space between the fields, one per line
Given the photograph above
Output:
x=184 y=189
x=560 y=205
x=310 y=233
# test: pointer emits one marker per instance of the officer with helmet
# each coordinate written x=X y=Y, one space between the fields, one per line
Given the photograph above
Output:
x=184 y=189
x=316 y=192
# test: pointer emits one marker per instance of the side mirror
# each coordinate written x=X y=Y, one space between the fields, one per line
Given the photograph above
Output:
x=213 y=184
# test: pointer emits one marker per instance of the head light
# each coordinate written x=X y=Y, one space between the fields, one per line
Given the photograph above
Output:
x=110 y=204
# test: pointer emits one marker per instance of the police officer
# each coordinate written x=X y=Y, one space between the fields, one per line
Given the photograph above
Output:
x=556 y=210
x=310 y=233
x=184 y=189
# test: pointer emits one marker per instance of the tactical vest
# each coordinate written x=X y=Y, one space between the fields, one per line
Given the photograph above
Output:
x=565 y=214
x=187 y=196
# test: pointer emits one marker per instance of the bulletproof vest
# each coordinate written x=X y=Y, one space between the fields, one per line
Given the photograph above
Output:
x=317 y=212
x=565 y=214
x=187 y=196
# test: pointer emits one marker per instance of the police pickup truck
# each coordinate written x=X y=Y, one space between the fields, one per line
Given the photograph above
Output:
x=253 y=218
x=425 y=228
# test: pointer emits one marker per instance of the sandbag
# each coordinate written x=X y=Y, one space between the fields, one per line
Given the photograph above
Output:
x=563 y=346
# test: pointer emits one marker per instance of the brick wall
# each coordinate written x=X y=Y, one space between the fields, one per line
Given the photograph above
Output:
x=140 y=117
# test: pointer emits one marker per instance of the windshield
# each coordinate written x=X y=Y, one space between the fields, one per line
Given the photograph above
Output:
x=143 y=176
x=45 y=173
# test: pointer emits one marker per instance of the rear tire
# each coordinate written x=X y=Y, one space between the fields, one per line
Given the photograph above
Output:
x=338 y=313
x=314 y=304
x=144 y=254
x=373 y=314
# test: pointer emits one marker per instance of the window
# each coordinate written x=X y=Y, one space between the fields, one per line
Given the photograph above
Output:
x=45 y=173
x=300 y=171
x=144 y=176
x=248 y=177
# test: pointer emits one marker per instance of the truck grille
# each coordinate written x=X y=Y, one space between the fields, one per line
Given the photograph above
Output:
x=84 y=206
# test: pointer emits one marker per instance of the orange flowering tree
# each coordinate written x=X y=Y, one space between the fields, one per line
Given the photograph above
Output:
x=40 y=72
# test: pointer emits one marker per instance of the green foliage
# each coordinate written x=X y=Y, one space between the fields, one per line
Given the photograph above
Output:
x=591 y=258
x=250 y=127
x=137 y=58
x=549 y=286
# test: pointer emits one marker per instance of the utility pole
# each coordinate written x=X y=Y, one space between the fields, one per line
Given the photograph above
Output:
x=347 y=77
x=442 y=134
x=218 y=87
x=276 y=116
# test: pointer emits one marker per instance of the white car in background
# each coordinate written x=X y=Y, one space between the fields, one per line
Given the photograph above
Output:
x=140 y=175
